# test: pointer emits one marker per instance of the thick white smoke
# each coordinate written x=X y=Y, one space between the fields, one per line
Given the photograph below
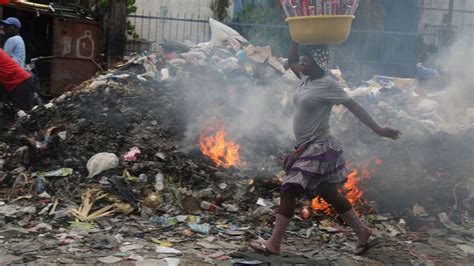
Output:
x=457 y=66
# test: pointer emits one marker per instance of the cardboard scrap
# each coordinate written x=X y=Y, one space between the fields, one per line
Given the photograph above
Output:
x=208 y=245
x=418 y=210
x=130 y=247
x=167 y=250
x=275 y=63
x=258 y=54
x=469 y=250
x=110 y=259
x=443 y=217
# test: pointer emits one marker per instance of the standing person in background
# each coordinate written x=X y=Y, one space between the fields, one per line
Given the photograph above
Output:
x=15 y=48
x=14 y=45
x=16 y=83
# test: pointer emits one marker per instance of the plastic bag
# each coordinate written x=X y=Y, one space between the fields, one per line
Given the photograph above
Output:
x=197 y=58
x=58 y=173
x=132 y=154
x=228 y=64
x=200 y=228
x=101 y=162
x=426 y=109
x=221 y=32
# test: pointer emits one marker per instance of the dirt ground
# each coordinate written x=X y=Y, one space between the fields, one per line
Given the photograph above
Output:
x=130 y=242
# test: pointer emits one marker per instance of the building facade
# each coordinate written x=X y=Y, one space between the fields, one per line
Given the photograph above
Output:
x=438 y=19
x=175 y=20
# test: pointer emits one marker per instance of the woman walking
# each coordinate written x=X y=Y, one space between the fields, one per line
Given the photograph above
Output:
x=317 y=166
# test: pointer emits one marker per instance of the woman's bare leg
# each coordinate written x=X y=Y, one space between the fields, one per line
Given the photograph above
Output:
x=331 y=195
x=283 y=218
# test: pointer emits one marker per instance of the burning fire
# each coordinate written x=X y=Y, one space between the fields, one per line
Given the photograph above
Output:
x=223 y=153
x=350 y=189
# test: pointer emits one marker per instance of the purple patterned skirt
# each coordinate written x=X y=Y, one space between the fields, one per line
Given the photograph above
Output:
x=320 y=160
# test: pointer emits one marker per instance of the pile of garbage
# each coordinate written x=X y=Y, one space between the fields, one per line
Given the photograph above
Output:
x=113 y=170
x=398 y=101
x=428 y=146
x=115 y=148
x=131 y=122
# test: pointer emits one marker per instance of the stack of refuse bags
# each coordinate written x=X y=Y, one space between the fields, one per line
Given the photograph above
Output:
x=227 y=53
x=397 y=101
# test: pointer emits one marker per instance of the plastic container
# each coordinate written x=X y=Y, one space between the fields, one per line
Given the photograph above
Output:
x=39 y=185
x=325 y=29
x=159 y=182
x=205 y=205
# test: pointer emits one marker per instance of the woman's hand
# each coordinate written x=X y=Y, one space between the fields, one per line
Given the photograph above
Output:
x=363 y=116
x=388 y=132
x=294 y=58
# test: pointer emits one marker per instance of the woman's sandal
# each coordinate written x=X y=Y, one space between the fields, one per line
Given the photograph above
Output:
x=365 y=247
x=259 y=246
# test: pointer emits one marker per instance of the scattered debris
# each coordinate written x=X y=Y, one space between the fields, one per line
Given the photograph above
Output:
x=191 y=188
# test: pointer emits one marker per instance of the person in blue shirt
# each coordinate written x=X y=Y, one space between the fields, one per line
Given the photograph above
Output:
x=14 y=46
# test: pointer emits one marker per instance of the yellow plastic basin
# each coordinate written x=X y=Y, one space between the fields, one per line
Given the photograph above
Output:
x=324 y=29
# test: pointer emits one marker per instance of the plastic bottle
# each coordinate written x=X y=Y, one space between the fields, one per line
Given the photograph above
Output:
x=205 y=205
x=327 y=7
x=37 y=99
x=286 y=8
x=354 y=7
x=39 y=185
x=335 y=7
x=159 y=179
x=105 y=183
x=207 y=192
x=304 y=5
x=60 y=172
x=319 y=7
x=200 y=228
x=143 y=178
x=230 y=207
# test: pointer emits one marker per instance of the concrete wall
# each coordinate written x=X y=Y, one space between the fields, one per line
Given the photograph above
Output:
x=157 y=30
x=175 y=7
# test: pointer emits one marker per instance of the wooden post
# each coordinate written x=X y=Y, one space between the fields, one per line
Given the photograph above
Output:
x=115 y=25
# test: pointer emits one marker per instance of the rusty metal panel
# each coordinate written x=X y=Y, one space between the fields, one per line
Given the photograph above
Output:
x=76 y=43
x=76 y=38
x=67 y=73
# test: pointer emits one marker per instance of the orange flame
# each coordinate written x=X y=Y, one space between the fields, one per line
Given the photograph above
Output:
x=350 y=189
x=223 y=153
x=441 y=173
x=319 y=204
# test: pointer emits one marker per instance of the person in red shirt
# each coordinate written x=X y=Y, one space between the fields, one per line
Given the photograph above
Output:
x=16 y=83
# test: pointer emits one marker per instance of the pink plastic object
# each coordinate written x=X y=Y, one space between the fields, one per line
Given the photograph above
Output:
x=132 y=155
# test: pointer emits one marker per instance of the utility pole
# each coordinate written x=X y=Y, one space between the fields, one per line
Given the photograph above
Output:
x=115 y=25
x=447 y=33
x=449 y=17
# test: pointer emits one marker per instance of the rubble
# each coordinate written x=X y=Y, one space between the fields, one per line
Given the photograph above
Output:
x=65 y=190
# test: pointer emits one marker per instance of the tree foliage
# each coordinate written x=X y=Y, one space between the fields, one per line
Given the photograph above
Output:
x=131 y=8
x=261 y=13
x=220 y=9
